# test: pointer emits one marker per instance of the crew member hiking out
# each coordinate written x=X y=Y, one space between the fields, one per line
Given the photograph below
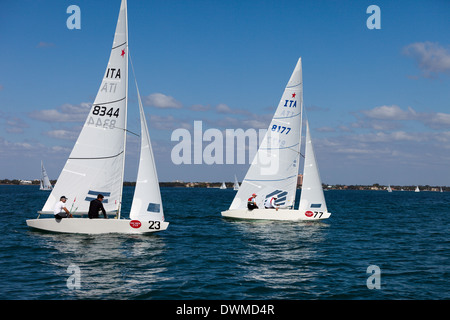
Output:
x=251 y=204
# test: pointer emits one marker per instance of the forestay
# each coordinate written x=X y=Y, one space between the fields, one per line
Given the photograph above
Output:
x=274 y=169
x=96 y=163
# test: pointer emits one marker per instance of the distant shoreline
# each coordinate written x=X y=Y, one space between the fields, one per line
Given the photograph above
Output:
x=182 y=184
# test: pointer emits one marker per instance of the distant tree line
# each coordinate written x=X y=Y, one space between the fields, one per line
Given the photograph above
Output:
x=181 y=184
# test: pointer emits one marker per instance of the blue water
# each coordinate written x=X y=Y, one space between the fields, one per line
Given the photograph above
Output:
x=204 y=256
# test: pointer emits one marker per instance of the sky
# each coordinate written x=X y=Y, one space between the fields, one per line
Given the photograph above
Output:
x=377 y=100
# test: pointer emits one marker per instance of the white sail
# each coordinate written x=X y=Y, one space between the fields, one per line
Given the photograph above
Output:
x=417 y=189
x=312 y=197
x=147 y=204
x=45 y=181
x=389 y=189
x=223 y=186
x=236 y=183
x=96 y=163
x=274 y=169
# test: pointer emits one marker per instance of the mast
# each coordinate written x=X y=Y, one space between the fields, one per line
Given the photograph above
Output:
x=124 y=5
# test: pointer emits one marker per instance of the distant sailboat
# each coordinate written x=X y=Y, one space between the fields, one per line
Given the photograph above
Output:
x=389 y=189
x=274 y=170
x=97 y=161
x=236 y=184
x=223 y=186
x=417 y=189
x=45 y=181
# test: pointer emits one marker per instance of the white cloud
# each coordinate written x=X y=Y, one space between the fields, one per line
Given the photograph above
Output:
x=65 y=113
x=15 y=125
x=388 y=117
x=160 y=100
x=62 y=134
x=390 y=113
x=430 y=57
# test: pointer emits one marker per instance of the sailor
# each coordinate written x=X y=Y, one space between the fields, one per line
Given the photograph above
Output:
x=60 y=211
x=270 y=203
x=95 y=206
x=251 y=204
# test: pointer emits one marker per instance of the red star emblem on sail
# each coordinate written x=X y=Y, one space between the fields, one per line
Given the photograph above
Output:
x=123 y=53
x=293 y=95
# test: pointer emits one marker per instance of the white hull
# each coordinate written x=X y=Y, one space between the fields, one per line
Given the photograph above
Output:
x=97 y=226
x=272 y=214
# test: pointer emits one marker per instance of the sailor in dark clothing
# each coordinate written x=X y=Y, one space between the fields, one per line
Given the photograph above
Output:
x=95 y=206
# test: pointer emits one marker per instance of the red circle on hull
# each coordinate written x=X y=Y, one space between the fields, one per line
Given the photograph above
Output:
x=309 y=214
x=135 y=224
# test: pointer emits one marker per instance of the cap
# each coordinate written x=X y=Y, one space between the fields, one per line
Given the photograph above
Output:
x=63 y=197
x=254 y=194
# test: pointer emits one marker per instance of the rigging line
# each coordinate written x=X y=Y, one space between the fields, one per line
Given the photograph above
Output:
x=137 y=135
x=289 y=148
x=98 y=158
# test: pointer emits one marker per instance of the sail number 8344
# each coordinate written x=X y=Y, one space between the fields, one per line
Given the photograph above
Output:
x=102 y=111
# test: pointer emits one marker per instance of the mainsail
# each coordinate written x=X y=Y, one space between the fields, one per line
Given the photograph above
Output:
x=96 y=164
x=275 y=167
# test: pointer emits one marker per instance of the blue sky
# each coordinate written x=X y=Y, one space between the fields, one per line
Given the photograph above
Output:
x=378 y=101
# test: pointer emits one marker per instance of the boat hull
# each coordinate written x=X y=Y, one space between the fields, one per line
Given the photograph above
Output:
x=272 y=214
x=97 y=226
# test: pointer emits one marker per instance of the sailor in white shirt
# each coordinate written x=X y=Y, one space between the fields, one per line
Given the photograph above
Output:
x=270 y=203
x=60 y=209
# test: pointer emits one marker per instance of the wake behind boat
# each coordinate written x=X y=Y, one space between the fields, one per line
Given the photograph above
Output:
x=97 y=161
x=274 y=170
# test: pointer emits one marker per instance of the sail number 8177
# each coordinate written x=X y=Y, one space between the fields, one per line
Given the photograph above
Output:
x=281 y=129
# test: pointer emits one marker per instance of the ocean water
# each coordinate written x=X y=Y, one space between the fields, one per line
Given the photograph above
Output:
x=403 y=235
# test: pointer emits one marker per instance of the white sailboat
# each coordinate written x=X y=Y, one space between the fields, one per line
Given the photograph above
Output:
x=389 y=189
x=45 y=181
x=274 y=169
x=417 y=189
x=97 y=161
x=223 y=186
x=236 y=184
